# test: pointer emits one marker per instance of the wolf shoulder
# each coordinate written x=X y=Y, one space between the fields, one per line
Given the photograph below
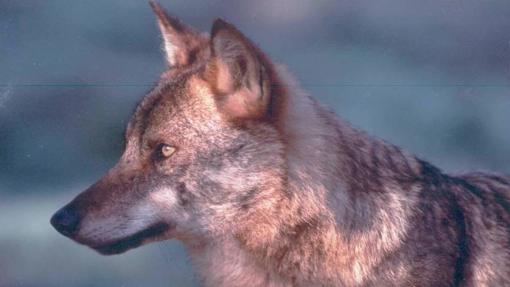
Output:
x=488 y=191
x=485 y=199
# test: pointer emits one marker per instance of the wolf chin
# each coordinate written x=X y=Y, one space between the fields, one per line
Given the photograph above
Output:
x=266 y=187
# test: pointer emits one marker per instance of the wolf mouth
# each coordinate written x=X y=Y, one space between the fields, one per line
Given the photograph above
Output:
x=132 y=241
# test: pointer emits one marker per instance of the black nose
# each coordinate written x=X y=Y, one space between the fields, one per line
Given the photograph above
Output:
x=66 y=220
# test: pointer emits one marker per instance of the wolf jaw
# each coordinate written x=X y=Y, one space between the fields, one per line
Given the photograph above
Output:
x=132 y=241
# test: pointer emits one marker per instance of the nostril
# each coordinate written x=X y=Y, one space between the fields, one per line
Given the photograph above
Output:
x=65 y=221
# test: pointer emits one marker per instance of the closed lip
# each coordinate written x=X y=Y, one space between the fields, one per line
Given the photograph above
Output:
x=122 y=245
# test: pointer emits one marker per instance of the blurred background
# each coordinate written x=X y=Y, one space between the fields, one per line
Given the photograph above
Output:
x=430 y=76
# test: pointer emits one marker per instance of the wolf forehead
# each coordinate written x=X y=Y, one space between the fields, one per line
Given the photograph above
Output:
x=182 y=99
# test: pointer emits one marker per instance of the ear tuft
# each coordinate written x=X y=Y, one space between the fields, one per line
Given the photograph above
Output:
x=179 y=40
x=169 y=22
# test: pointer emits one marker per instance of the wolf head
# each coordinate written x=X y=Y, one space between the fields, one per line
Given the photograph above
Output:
x=203 y=153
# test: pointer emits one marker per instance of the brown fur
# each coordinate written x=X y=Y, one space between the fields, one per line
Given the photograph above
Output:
x=269 y=188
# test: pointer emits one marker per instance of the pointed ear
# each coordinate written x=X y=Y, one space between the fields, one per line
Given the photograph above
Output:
x=180 y=41
x=241 y=73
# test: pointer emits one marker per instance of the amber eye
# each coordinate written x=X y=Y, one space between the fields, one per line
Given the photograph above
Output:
x=167 y=151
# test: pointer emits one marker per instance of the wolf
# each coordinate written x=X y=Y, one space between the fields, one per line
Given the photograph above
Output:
x=266 y=187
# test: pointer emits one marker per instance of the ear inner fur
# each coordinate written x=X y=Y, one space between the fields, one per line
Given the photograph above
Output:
x=240 y=76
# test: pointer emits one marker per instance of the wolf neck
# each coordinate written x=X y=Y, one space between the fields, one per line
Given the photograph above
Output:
x=333 y=162
x=337 y=175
